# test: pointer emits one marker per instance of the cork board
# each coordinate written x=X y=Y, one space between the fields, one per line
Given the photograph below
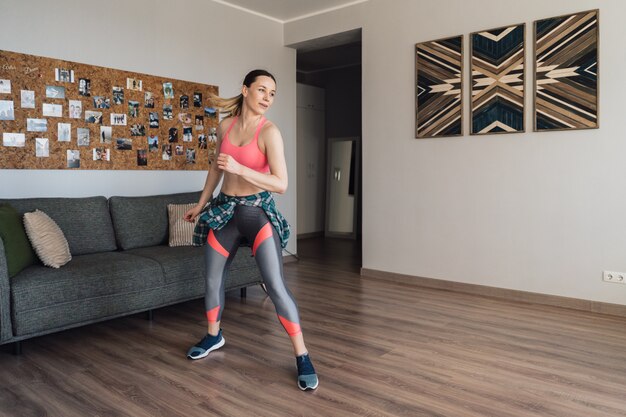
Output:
x=57 y=114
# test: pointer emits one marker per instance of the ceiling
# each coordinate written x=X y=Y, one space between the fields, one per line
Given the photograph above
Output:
x=287 y=10
x=339 y=50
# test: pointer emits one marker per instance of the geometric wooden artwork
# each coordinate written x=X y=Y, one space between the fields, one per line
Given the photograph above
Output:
x=497 y=92
x=57 y=114
x=439 y=87
x=566 y=72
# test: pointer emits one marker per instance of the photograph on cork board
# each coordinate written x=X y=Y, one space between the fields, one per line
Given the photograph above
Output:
x=57 y=114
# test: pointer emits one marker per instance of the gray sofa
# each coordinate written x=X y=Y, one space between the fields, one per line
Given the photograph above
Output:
x=121 y=264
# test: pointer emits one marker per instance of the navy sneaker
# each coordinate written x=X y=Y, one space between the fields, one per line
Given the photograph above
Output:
x=205 y=346
x=307 y=378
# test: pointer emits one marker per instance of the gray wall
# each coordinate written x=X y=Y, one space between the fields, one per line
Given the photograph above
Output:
x=540 y=212
x=196 y=40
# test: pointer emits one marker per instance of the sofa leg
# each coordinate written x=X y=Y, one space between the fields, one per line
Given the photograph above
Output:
x=149 y=315
x=17 y=348
x=243 y=292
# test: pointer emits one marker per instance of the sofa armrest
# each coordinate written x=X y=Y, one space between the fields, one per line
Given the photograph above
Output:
x=6 y=331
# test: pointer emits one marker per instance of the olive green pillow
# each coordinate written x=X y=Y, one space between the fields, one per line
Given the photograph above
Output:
x=17 y=249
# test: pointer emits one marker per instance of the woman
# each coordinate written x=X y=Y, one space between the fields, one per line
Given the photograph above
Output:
x=252 y=161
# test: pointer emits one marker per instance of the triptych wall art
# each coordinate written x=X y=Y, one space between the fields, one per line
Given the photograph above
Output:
x=57 y=114
x=565 y=77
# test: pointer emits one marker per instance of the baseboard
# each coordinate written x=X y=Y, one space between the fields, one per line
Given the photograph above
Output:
x=503 y=293
x=310 y=235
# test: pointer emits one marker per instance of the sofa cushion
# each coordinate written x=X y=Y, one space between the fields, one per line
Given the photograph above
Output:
x=183 y=263
x=47 y=239
x=87 y=288
x=85 y=222
x=143 y=221
x=18 y=252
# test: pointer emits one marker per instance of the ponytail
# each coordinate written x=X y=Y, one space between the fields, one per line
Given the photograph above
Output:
x=229 y=106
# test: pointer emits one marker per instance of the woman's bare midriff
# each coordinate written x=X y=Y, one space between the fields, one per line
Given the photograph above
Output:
x=236 y=186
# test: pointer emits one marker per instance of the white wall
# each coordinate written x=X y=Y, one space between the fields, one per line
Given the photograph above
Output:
x=539 y=212
x=195 y=40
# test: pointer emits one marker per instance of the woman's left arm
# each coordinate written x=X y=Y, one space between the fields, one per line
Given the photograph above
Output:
x=276 y=181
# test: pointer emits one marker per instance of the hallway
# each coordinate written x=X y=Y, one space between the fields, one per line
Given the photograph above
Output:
x=343 y=254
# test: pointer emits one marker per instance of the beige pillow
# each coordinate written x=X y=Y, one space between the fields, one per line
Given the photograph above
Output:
x=181 y=232
x=47 y=239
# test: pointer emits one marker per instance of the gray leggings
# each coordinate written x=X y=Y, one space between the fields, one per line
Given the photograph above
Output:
x=252 y=224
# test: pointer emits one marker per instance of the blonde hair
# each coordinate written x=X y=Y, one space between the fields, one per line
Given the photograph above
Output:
x=232 y=106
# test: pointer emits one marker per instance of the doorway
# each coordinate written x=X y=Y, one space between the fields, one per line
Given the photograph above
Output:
x=329 y=118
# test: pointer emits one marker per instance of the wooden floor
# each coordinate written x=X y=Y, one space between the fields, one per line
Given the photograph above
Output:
x=380 y=348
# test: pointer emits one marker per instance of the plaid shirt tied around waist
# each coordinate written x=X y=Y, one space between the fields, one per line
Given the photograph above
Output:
x=221 y=209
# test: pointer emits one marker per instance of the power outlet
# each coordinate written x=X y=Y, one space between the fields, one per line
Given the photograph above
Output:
x=612 y=276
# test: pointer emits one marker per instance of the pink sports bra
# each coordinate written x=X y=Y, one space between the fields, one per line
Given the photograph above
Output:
x=248 y=155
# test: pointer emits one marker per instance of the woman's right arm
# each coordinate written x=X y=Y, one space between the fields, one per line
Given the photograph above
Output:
x=212 y=179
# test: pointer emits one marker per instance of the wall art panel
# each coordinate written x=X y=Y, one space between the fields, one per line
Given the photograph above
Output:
x=566 y=72
x=497 y=92
x=439 y=87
